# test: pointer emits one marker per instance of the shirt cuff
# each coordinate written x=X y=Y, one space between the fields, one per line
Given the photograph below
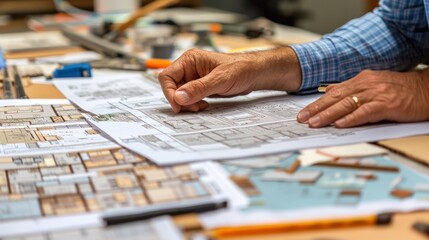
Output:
x=318 y=64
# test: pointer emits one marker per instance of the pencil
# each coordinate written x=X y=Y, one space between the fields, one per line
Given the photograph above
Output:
x=264 y=229
x=7 y=85
x=359 y=166
x=157 y=63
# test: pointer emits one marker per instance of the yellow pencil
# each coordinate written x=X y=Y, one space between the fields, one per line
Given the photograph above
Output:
x=249 y=230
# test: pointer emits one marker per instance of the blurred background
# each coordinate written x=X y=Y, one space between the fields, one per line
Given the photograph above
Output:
x=320 y=16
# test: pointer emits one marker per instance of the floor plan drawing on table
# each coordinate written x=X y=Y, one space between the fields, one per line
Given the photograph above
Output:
x=26 y=113
x=45 y=126
x=99 y=94
x=37 y=188
x=260 y=123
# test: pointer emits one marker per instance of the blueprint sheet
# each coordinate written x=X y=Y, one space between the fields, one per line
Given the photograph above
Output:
x=138 y=117
x=45 y=126
x=277 y=200
x=57 y=174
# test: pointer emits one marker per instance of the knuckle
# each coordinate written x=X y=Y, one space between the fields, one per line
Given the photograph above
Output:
x=162 y=75
x=383 y=88
x=335 y=92
x=192 y=51
x=348 y=103
x=367 y=110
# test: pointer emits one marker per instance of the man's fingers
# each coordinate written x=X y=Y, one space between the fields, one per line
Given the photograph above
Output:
x=196 y=90
x=170 y=79
x=169 y=88
x=367 y=113
x=333 y=113
x=334 y=95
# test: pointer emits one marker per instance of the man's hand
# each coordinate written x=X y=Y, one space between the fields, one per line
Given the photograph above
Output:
x=378 y=96
x=198 y=74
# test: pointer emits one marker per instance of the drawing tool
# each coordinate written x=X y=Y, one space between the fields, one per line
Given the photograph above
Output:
x=359 y=166
x=19 y=87
x=323 y=85
x=263 y=229
x=113 y=50
x=7 y=84
x=157 y=63
x=98 y=44
x=150 y=7
x=135 y=215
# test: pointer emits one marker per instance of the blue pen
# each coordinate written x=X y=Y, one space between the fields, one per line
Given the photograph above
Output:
x=2 y=60
x=7 y=84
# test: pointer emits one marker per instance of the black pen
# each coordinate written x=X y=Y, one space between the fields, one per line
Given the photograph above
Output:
x=135 y=215
x=7 y=84
x=19 y=87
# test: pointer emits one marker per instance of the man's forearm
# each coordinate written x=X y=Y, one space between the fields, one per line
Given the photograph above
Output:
x=279 y=69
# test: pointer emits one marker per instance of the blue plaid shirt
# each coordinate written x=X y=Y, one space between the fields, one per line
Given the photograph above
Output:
x=395 y=36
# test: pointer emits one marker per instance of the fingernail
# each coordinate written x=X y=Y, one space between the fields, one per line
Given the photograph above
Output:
x=182 y=97
x=303 y=116
x=314 y=121
x=340 y=123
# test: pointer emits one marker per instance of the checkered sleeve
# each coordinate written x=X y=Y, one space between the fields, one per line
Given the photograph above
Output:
x=392 y=37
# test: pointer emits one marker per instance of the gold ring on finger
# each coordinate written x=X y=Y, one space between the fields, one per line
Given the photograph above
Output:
x=356 y=100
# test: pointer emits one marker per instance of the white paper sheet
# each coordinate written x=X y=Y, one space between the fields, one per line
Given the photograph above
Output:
x=91 y=227
x=257 y=124
x=98 y=94
x=228 y=132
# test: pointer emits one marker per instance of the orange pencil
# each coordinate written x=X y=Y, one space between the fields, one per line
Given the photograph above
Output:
x=249 y=230
x=157 y=63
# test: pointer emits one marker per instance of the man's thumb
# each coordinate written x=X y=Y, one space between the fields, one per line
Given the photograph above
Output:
x=196 y=90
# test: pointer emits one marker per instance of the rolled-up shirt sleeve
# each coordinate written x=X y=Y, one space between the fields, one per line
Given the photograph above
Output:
x=395 y=36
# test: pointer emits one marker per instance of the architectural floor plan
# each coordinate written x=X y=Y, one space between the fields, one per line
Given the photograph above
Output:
x=48 y=139
x=26 y=113
x=58 y=172
x=101 y=181
x=97 y=95
x=260 y=123
x=233 y=130
x=45 y=126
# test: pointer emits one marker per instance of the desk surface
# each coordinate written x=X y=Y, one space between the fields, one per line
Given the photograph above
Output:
x=399 y=229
